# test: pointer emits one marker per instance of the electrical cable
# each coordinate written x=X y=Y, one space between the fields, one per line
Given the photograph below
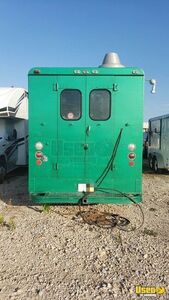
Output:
x=131 y=199
x=108 y=220
x=106 y=169
x=113 y=218
x=111 y=160
x=102 y=219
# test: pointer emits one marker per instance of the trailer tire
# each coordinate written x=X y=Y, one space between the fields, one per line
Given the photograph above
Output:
x=156 y=168
x=3 y=169
x=151 y=162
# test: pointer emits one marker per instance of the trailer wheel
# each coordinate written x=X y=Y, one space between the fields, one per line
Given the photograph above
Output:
x=156 y=168
x=3 y=169
x=151 y=162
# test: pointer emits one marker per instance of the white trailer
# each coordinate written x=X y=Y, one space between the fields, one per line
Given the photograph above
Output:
x=158 y=145
x=13 y=129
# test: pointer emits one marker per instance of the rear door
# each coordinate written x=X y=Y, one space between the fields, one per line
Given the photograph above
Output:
x=99 y=131
x=71 y=131
x=86 y=134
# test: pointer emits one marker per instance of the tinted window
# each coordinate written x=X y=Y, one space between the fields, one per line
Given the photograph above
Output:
x=100 y=104
x=71 y=102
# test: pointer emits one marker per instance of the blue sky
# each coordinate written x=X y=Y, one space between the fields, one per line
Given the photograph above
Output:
x=79 y=33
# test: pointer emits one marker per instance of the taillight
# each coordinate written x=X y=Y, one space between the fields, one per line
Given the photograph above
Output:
x=131 y=155
x=38 y=154
x=131 y=163
x=38 y=162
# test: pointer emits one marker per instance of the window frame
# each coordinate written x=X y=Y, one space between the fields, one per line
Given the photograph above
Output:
x=110 y=104
x=70 y=89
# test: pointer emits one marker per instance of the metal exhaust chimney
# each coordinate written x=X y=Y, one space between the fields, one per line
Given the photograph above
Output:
x=111 y=60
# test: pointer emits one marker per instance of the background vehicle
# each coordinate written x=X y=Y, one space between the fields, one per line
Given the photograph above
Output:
x=158 y=149
x=85 y=133
x=13 y=129
x=145 y=139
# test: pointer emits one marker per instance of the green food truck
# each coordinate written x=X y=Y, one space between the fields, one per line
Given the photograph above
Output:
x=85 y=133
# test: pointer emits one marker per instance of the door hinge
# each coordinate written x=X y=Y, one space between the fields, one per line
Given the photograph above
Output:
x=55 y=166
x=115 y=87
x=55 y=87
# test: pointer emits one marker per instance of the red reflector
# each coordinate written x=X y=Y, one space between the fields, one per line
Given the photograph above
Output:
x=131 y=163
x=38 y=154
x=38 y=162
x=132 y=155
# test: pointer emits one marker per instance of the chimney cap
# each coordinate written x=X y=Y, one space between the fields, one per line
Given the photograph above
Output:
x=111 y=60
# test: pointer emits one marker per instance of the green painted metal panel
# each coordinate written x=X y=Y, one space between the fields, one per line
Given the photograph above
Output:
x=85 y=151
x=85 y=71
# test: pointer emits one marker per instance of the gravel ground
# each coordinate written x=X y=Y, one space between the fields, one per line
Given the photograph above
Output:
x=53 y=254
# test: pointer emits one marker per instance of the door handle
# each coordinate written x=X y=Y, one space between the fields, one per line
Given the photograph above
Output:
x=88 y=130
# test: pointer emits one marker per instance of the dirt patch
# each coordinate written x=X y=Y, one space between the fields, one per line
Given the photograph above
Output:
x=51 y=253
